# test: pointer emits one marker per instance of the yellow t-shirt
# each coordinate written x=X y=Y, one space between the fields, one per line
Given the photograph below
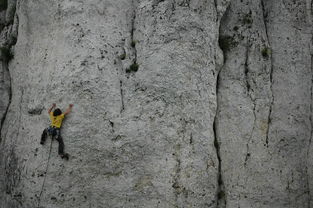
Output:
x=56 y=121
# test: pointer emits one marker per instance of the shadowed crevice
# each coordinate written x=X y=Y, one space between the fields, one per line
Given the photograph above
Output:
x=220 y=192
x=6 y=70
x=6 y=55
x=271 y=73
x=309 y=5
x=134 y=66
x=310 y=140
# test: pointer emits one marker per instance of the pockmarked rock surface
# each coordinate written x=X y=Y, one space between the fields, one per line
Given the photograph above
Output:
x=177 y=103
x=264 y=104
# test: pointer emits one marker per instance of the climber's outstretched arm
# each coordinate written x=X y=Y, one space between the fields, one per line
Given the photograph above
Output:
x=69 y=109
x=50 y=109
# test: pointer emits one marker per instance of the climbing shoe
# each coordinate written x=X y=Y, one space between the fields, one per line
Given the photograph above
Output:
x=65 y=156
x=42 y=142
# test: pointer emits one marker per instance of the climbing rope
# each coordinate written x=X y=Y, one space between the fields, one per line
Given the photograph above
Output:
x=44 y=180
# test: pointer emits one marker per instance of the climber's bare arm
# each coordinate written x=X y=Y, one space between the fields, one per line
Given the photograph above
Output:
x=69 y=109
x=50 y=109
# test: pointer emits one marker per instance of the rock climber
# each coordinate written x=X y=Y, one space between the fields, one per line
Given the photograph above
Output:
x=53 y=130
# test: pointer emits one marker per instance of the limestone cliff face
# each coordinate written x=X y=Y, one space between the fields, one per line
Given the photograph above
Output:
x=264 y=104
x=177 y=103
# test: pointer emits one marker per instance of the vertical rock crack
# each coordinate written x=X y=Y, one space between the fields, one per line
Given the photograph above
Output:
x=5 y=59
x=310 y=21
x=220 y=188
x=221 y=202
x=5 y=64
x=271 y=75
x=132 y=38
x=122 y=96
x=220 y=191
x=310 y=140
x=246 y=72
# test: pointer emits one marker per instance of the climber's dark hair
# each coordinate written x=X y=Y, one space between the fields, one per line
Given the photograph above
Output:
x=57 y=112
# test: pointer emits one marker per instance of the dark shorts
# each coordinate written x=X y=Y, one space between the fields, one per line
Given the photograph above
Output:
x=53 y=131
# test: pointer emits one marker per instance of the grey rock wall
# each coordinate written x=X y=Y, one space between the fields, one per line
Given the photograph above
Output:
x=264 y=104
x=177 y=103
x=8 y=34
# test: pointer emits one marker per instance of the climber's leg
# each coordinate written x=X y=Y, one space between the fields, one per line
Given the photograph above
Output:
x=61 y=145
x=44 y=136
x=60 y=140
